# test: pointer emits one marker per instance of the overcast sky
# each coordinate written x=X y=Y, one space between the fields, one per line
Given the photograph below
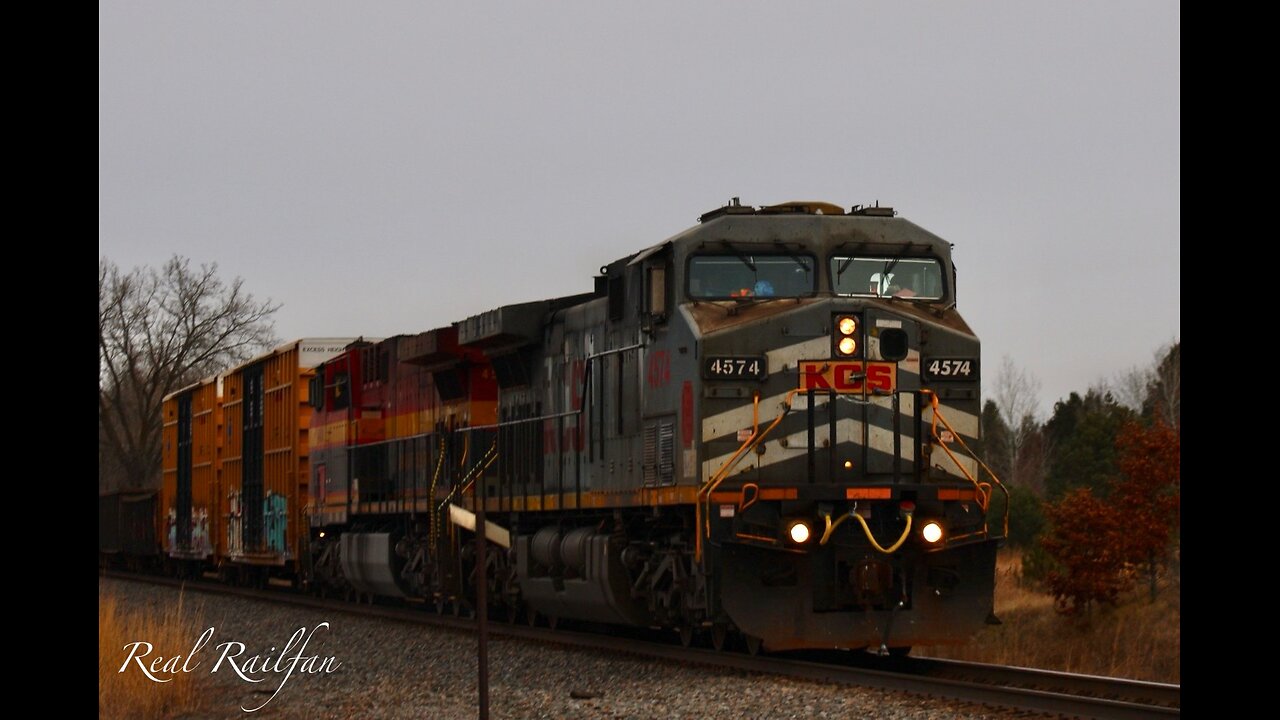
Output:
x=390 y=167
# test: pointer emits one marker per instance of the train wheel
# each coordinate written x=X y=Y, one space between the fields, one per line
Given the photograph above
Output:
x=719 y=633
x=439 y=604
x=753 y=645
x=513 y=614
x=899 y=652
x=686 y=634
x=552 y=621
x=531 y=617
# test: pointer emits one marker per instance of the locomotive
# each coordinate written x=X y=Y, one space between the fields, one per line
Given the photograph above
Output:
x=759 y=428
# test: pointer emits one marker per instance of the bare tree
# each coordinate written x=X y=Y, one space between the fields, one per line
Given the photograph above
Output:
x=1017 y=394
x=1154 y=390
x=159 y=330
x=1033 y=456
x=1129 y=388
x=1164 y=394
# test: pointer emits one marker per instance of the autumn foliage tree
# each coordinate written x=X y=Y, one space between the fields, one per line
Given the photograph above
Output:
x=1086 y=542
x=1149 y=493
x=1099 y=545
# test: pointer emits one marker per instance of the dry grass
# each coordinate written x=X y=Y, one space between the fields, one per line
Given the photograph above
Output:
x=172 y=630
x=1138 y=639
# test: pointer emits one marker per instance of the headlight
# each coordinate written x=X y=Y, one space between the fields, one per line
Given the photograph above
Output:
x=931 y=532
x=799 y=532
x=844 y=338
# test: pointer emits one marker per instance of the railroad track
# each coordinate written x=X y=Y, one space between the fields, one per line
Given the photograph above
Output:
x=1045 y=691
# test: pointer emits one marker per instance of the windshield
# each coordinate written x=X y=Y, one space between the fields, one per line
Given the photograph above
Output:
x=864 y=276
x=752 y=276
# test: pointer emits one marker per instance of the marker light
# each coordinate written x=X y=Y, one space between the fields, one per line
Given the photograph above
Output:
x=847 y=346
x=799 y=532
x=321 y=533
x=847 y=325
x=932 y=532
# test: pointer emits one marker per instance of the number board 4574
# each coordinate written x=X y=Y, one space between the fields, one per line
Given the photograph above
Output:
x=721 y=367
x=949 y=369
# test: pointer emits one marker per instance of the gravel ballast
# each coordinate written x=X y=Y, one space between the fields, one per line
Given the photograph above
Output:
x=390 y=669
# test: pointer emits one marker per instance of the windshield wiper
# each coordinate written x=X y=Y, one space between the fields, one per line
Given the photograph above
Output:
x=746 y=259
x=893 y=262
x=888 y=267
x=843 y=266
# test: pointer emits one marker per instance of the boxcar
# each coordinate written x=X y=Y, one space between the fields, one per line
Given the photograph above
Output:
x=266 y=413
x=190 y=461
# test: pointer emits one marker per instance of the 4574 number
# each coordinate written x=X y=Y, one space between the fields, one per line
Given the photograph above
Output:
x=734 y=367
x=950 y=369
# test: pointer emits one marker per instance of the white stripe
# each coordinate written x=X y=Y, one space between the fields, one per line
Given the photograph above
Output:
x=879 y=438
x=940 y=459
x=911 y=363
x=783 y=358
x=730 y=421
x=964 y=423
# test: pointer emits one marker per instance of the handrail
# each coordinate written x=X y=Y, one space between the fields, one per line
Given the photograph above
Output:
x=716 y=478
x=431 y=497
x=482 y=464
x=466 y=448
x=984 y=489
x=702 y=518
